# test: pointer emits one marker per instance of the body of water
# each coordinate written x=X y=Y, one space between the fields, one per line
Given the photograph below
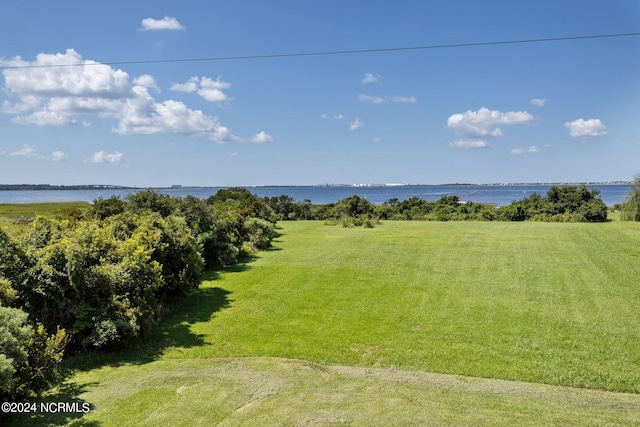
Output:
x=495 y=194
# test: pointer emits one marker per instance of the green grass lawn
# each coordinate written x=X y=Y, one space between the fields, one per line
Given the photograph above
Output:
x=357 y=326
x=539 y=302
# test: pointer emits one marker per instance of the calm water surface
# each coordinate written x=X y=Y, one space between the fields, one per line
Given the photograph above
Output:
x=495 y=194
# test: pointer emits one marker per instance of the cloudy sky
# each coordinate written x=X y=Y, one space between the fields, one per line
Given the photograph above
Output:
x=88 y=96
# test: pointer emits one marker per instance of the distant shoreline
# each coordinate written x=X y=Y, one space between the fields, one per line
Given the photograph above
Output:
x=41 y=187
x=44 y=187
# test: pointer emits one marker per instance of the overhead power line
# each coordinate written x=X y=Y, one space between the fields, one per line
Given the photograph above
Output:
x=334 y=52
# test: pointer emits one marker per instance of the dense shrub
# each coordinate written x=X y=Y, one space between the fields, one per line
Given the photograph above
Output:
x=107 y=281
x=179 y=255
x=246 y=204
x=285 y=208
x=566 y=204
x=630 y=208
x=104 y=208
x=150 y=200
x=354 y=206
x=14 y=263
x=29 y=357
x=218 y=224
x=513 y=212
x=94 y=281
x=259 y=232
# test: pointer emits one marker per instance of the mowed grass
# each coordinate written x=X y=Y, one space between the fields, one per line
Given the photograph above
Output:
x=537 y=302
x=409 y=323
x=283 y=392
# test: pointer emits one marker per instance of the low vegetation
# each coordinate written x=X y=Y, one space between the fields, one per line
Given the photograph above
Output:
x=630 y=208
x=567 y=203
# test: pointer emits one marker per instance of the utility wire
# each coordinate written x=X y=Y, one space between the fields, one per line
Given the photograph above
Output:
x=334 y=52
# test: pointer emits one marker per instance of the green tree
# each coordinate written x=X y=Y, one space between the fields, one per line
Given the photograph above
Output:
x=283 y=206
x=14 y=263
x=103 y=208
x=107 y=281
x=201 y=219
x=631 y=205
x=260 y=233
x=29 y=357
x=95 y=280
x=151 y=200
x=566 y=203
x=354 y=206
x=513 y=212
x=247 y=204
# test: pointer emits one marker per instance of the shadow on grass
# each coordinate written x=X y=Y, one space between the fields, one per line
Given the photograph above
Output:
x=49 y=413
x=174 y=331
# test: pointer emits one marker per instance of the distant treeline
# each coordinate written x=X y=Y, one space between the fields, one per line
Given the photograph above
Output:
x=12 y=187
x=567 y=203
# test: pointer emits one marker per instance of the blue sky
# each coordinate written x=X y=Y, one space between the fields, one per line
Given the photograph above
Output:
x=565 y=111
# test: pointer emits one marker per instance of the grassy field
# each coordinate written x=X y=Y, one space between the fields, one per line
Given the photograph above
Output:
x=12 y=213
x=410 y=323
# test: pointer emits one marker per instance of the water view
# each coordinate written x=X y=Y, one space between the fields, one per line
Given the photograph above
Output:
x=494 y=194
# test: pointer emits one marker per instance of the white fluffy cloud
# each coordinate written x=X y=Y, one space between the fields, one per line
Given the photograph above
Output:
x=60 y=89
x=379 y=99
x=54 y=89
x=209 y=89
x=469 y=143
x=410 y=99
x=530 y=149
x=58 y=156
x=147 y=81
x=54 y=95
x=538 y=102
x=166 y=23
x=485 y=122
x=371 y=78
x=338 y=116
x=372 y=99
x=29 y=151
x=475 y=126
x=261 y=137
x=581 y=128
x=114 y=158
x=189 y=86
x=143 y=115
x=356 y=124
x=64 y=74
